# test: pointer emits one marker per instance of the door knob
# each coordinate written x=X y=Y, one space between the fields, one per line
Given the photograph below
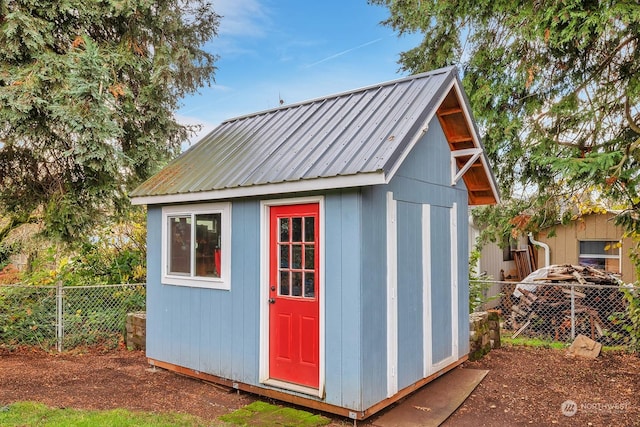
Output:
x=272 y=300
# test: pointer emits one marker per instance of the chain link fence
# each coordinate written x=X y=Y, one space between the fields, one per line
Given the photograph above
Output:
x=65 y=317
x=561 y=311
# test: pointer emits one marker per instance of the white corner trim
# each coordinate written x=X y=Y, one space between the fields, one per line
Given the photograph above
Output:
x=427 y=327
x=392 y=296
x=454 y=281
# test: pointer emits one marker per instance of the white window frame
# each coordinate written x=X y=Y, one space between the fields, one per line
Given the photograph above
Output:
x=603 y=256
x=222 y=282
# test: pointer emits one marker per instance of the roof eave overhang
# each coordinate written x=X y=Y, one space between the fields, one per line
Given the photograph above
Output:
x=482 y=159
x=287 y=187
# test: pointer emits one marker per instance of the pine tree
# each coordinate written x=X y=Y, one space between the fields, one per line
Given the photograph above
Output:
x=88 y=92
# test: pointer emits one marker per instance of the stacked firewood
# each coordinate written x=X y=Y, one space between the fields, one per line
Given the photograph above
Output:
x=546 y=309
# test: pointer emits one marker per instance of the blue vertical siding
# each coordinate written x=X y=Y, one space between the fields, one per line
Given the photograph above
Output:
x=208 y=330
x=410 y=357
x=156 y=322
x=425 y=178
x=342 y=299
x=245 y=274
x=440 y=310
x=374 y=295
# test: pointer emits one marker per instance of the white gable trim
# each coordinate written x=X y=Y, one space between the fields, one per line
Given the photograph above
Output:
x=423 y=130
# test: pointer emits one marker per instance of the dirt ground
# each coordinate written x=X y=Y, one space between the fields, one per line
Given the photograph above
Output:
x=525 y=386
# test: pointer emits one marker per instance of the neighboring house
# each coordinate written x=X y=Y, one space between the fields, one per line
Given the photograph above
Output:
x=498 y=263
x=317 y=253
x=592 y=240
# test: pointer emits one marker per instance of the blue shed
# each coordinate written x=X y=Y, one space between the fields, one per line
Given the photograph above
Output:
x=317 y=253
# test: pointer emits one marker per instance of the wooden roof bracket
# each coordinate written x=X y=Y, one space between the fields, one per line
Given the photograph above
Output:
x=475 y=153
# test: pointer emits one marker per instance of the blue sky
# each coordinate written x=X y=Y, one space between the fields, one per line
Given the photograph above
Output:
x=294 y=51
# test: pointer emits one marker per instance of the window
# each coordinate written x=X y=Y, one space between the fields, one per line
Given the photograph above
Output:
x=297 y=242
x=508 y=246
x=196 y=245
x=601 y=254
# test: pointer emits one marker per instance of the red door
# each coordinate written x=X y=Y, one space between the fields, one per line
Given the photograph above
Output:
x=294 y=331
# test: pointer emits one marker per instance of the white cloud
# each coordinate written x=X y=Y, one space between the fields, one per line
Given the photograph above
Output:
x=242 y=17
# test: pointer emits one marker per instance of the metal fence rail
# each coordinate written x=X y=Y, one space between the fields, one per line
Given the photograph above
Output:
x=561 y=311
x=65 y=317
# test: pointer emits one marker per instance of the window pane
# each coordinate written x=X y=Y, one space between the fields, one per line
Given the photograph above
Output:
x=593 y=262
x=296 y=256
x=180 y=244
x=594 y=247
x=296 y=285
x=284 y=283
x=284 y=229
x=284 y=256
x=309 y=229
x=208 y=254
x=309 y=261
x=309 y=285
x=297 y=229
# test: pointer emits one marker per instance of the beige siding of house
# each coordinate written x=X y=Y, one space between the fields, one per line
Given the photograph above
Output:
x=565 y=244
x=491 y=263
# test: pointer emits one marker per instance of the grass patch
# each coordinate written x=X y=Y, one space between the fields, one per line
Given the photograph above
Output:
x=38 y=414
x=557 y=345
x=262 y=414
x=532 y=342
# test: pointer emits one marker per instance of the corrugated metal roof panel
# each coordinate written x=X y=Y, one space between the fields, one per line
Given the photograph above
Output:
x=352 y=133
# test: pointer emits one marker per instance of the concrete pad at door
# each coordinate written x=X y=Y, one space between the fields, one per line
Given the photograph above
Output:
x=432 y=404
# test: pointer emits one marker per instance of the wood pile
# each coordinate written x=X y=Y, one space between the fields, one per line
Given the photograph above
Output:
x=545 y=310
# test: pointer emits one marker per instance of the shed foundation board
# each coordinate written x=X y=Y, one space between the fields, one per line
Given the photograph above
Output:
x=433 y=403
x=307 y=402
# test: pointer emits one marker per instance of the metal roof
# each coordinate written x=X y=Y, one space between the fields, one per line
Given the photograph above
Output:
x=357 y=136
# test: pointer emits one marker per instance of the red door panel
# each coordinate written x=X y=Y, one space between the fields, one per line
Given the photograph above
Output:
x=294 y=328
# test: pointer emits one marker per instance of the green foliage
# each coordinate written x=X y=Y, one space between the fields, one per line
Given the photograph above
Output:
x=5 y=252
x=38 y=414
x=28 y=316
x=91 y=315
x=630 y=319
x=555 y=86
x=115 y=254
x=479 y=284
x=88 y=91
x=98 y=315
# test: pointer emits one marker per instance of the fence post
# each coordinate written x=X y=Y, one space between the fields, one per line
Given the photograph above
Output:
x=573 y=313
x=59 y=311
